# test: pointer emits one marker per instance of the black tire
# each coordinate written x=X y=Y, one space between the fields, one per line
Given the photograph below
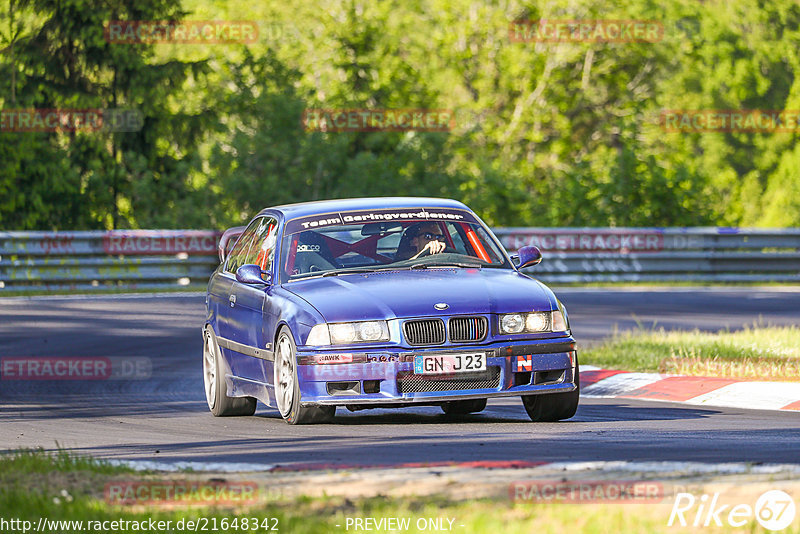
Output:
x=220 y=404
x=555 y=406
x=463 y=407
x=287 y=387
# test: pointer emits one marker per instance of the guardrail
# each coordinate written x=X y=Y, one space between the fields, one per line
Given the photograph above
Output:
x=137 y=259
x=151 y=259
x=660 y=254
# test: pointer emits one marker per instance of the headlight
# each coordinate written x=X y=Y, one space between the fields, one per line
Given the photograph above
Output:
x=533 y=322
x=537 y=322
x=372 y=331
x=346 y=333
x=342 y=333
x=513 y=323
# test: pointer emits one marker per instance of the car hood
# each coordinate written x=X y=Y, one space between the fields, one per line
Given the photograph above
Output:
x=403 y=294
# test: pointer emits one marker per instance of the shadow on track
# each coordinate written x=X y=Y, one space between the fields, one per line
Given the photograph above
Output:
x=543 y=446
x=621 y=412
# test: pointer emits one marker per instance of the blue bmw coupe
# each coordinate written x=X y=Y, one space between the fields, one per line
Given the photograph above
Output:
x=378 y=303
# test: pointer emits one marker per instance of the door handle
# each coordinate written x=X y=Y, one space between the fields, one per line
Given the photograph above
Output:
x=232 y=300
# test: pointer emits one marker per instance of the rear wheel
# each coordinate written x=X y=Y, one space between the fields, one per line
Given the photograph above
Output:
x=287 y=387
x=555 y=406
x=217 y=397
x=464 y=406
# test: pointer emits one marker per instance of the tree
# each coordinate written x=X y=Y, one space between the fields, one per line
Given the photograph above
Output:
x=106 y=179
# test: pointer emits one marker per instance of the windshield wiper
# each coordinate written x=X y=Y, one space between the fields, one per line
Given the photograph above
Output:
x=349 y=271
x=363 y=270
x=446 y=264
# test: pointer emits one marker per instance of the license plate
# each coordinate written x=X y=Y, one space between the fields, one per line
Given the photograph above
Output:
x=432 y=364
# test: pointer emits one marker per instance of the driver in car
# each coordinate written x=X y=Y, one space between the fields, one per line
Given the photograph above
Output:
x=428 y=238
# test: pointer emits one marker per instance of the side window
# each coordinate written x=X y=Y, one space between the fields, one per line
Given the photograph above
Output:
x=242 y=246
x=494 y=255
x=262 y=250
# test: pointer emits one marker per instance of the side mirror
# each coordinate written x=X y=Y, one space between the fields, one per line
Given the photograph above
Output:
x=528 y=257
x=252 y=274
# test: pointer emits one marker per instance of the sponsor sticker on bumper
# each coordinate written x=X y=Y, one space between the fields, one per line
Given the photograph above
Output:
x=523 y=363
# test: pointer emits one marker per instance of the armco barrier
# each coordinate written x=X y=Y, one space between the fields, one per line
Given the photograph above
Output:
x=660 y=254
x=174 y=258
x=103 y=260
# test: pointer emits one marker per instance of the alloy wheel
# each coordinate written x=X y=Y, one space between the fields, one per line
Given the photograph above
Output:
x=285 y=387
x=210 y=370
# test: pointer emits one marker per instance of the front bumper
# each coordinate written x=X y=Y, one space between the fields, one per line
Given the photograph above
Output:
x=386 y=376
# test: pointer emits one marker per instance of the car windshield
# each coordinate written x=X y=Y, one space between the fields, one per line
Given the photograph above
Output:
x=338 y=243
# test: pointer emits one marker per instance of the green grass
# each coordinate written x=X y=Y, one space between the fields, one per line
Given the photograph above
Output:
x=323 y=516
x=62 y=487
x=757 y=353
x=30 y=461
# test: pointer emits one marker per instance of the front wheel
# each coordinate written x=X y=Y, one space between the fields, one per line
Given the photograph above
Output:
x=555 y=406
x=287 y=387
x=219 y=402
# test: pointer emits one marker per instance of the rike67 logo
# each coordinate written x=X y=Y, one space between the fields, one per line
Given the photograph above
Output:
x=774 y=510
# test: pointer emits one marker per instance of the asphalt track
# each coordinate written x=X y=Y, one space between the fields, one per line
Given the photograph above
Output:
x=165 y=417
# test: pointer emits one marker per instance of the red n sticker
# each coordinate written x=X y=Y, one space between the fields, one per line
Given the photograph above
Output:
x=524 y=363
